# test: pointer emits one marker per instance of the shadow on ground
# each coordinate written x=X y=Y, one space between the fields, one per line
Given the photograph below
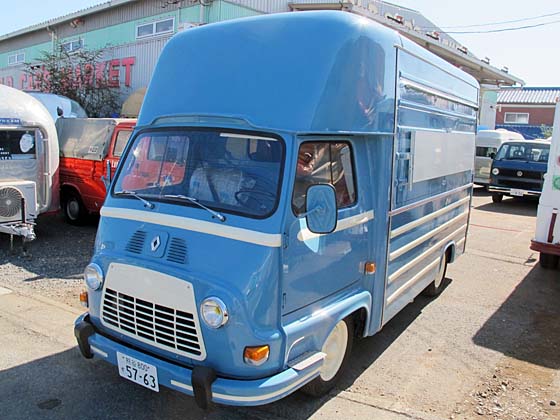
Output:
x=65 y=385
x=60 y=250
x=514 y=206
x=527 y=325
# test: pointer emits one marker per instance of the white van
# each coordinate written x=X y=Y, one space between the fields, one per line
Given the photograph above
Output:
x=487 y=144
x=547 y=233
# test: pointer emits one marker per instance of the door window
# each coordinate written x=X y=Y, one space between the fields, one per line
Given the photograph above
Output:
x=324 y=163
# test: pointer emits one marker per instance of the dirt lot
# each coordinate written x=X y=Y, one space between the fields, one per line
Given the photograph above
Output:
x=488 y=347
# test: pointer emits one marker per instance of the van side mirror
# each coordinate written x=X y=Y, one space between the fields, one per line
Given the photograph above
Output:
x=107 y=178
x=491 y=155
x=321 y=208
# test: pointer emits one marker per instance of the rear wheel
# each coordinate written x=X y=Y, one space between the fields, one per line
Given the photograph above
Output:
x=436 y=287
x=74 y=210
x=548 y=261
x=337 y=348
x=497 y=198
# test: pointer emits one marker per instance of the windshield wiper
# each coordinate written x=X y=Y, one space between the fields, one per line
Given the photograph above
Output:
x=134 y=194
x=193 y=200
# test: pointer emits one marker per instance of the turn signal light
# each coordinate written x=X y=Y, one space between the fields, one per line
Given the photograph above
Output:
x=370 y=268
x=256 y=356
x=84 y=298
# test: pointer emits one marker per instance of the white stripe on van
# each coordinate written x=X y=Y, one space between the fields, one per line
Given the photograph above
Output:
x=273 y=240
x=350 y=222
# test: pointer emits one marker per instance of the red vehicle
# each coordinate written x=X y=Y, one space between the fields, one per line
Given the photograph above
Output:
x=86 y=145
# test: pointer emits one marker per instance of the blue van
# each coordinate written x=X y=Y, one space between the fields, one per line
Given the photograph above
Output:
x=293 y=182
x=518 y=169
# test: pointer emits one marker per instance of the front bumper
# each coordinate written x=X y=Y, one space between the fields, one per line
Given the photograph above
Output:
x=201 y=382
x=545 y=248
x=508 y=191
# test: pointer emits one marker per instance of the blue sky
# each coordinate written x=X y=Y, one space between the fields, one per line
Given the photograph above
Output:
x=531 y=54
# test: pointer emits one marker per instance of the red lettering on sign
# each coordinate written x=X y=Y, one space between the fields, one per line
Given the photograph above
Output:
x=114 y=73
x=88 y=74
x=10 y=81
x=127 y=63
x=100 y=73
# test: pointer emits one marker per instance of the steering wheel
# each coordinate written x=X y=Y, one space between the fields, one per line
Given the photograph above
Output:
x=259 y=197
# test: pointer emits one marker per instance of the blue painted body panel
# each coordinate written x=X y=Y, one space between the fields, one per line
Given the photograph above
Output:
x=324 y=76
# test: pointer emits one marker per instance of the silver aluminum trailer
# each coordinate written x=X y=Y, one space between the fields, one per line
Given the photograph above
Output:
x=28 y=163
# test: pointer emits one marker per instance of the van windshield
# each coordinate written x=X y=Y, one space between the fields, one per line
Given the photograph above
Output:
x=527 y=152
x=226 y=171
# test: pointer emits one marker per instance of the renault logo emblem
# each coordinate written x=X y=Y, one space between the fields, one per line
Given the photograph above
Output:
x=519 y=173
x=156 y=242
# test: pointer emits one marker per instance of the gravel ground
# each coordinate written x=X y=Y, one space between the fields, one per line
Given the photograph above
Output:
x=54 y=262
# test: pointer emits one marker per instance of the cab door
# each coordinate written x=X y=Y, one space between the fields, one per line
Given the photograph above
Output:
x=317 y=266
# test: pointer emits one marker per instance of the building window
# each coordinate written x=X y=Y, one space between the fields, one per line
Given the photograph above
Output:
x=72 y=46
x=516 y=118
x=16 y=59
x=155 y=28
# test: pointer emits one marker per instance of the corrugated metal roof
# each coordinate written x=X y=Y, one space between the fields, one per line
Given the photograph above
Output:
x=529 y=95
x=84 y=12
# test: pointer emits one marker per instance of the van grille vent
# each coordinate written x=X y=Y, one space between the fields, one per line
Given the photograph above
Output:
x=177 y=252
x=170 y=328
x=136 y=243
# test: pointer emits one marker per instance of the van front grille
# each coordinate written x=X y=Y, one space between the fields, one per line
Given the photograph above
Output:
x=169 y=328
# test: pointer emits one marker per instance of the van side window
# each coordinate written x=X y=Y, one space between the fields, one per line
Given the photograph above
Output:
x=120 y=142
x=486 y=151
x=324 y=163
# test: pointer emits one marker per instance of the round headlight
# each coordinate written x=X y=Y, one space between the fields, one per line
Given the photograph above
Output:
x=495 y=171
x=214 y=312
x=93 y=275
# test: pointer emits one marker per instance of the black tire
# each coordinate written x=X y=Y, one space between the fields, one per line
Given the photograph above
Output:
x=548 y=261
x=319 y=386
x=437 y=286
x=497 y=198
x=73 y=208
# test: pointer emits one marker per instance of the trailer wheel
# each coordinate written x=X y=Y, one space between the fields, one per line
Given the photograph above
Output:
x=74 y=210
x=337 y=348
x=548 y=261
x=497 y=198
x=436 y=287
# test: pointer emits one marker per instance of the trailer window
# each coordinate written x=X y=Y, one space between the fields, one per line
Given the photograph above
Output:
x=324 y=163
x=17 y=144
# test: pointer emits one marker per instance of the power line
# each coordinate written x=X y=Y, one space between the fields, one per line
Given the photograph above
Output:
x=504 y=29
x=491 y=23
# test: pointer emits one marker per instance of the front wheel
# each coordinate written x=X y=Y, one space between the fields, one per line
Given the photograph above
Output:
x=337 y=348
x=497 y=198
x=548 y=261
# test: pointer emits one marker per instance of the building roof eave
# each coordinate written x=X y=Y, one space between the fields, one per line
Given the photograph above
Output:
x=66 y=18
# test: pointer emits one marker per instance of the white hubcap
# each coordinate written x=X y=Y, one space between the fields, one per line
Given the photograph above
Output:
x=335 y=349
x=441 y=272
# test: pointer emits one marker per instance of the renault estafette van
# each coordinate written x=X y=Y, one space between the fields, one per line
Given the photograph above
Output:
x=270 y=205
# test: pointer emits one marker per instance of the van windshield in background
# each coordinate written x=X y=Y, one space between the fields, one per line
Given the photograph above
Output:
x=527 y=152
x=17 y=144
x=226 y=171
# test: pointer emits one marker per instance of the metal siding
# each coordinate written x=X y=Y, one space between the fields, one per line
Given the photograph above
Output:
x=224 y=10
x=146 y=54
x=265 y=6
x=24 y=41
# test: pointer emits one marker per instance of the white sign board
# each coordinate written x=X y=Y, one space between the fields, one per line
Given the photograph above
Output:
x=437 y=154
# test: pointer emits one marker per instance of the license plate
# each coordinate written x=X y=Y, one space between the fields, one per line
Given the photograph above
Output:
x=517 y=193
x=138 y=371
